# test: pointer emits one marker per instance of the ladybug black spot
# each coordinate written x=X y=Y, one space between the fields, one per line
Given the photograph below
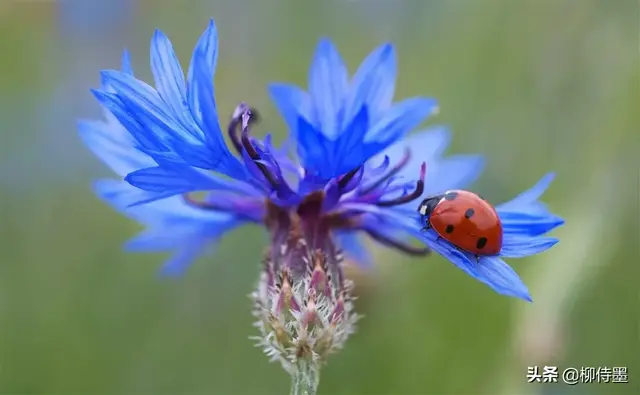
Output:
x=449 y=229
x=481 y=243
x=450 y=195
x=469 y=213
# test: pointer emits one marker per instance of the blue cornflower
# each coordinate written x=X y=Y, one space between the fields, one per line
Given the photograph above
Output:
x=356 y=171
x=166 y=142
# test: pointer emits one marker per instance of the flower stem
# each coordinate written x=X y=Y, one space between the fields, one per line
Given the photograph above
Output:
x=305 y=379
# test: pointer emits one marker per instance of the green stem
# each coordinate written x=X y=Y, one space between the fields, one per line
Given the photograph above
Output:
x=304 y=381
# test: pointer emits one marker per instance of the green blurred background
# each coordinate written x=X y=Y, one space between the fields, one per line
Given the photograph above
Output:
x=536 y=86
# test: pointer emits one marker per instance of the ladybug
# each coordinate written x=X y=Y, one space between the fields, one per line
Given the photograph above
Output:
x=465 y=220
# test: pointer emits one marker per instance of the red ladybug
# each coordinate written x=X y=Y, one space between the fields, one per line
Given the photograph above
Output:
x=465 y=220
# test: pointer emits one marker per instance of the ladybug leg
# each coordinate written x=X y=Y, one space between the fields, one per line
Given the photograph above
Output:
x=477 y=259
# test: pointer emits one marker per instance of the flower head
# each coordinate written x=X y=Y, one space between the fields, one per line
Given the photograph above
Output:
x=167 y=143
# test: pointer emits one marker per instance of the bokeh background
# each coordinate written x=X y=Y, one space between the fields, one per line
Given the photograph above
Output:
x=536 y=86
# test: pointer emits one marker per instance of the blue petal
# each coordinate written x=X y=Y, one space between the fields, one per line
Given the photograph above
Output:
x=207 y=47
x=348 y=151
x=168 y=75
x=401 y=119
x=525 y=215
x=520 y=247
x=163 y=137
x=125 y=63
x=165 y=237
x=114 y=146
x=140 y=97
x=313 y=147
x=221 y=158
x=293 y=103
x=494 y=272
x=355 y=249
x=425 y=146
x=328 y=84
x=526 y=199
x=373 y=85
x=124 y=197
x=171 y=147
x=177 y=232
x=182 y=260
x=452 y=172
x=527 y=224
x=110 y=101
x=175 y=179
x=154 y=121
x=173 y=210
x=172 y=224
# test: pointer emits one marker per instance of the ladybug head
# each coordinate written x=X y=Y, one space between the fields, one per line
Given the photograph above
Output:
x=428 y=205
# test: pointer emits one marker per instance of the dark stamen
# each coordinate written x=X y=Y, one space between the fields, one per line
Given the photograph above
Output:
x=246 y=142
x=394 y=170
x=342 y=184
x=234 y=128
x=233 y=134
x=410 y=197
x=407 y=249
x=251 y=151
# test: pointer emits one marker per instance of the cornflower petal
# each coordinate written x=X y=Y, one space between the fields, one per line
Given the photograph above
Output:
x=400 y=119
x=529 y=199
x=126 y=63
x=140 y=97
x=294 y=104
x=115 y=150
x=373 y=84
x=452 y=172
x=207 y=49
x=112 y=103
x=168 y=76
x=495 y=272
x=328 y=84
x=328 y=121
x=520 y=247
x=526 y=224
x=222 y=159
x=177 y=179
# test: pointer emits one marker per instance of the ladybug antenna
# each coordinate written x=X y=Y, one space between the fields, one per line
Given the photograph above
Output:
x=417 y=192
x=394 y=170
